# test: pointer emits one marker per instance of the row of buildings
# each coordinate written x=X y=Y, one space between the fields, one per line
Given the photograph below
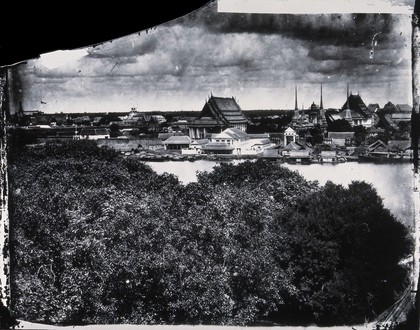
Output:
x=221 y=127
x=219 y=113
x=354 y=111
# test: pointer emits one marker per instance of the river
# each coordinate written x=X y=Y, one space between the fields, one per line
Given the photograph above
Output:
x=393 y=182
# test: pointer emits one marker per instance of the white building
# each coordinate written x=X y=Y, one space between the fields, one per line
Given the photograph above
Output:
x=290 y=135
x=236 y=142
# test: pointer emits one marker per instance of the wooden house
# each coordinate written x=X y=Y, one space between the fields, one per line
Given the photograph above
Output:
x=177 y=142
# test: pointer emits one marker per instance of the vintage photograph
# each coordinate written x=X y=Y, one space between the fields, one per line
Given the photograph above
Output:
x=240 y=165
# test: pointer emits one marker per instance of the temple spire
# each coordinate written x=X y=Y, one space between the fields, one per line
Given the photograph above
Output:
x=321 y=106
x=347 y=100
x=296 y=100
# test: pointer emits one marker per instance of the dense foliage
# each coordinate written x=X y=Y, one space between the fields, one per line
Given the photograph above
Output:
x=101 y=239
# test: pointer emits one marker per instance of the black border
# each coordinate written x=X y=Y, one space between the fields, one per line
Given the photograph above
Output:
x=28 y=30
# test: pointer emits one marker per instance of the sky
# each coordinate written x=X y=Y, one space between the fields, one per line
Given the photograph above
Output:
x=256 y=58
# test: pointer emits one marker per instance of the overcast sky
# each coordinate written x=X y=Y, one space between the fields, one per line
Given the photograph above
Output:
x=257 y=58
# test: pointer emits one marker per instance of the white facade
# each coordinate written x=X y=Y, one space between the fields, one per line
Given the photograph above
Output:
x=159 y=118
x=241 y=142
x=290 y=135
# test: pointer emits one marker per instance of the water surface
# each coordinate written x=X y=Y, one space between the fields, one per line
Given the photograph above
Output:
x=393 y=182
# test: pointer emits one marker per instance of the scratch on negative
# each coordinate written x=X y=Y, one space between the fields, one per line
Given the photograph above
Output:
x=113 y=67
x=374 y=43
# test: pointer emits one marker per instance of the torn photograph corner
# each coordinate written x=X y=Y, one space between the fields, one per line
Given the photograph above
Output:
x=225 y=168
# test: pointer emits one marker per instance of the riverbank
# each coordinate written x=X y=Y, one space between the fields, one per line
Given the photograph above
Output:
x=172 y=156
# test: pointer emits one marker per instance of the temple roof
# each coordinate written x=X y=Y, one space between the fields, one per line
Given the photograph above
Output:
x=205 y=122
x=225 y=109
x=355 y=103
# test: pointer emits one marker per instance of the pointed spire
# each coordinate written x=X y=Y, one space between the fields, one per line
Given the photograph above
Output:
x=296 y=101
x=347 y=99
x=321 y=106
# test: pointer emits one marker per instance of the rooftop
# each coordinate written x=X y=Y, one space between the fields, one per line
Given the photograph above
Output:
x=205 y=121
x=94 y=131
x=178 y=140
x=341 y=135
x=224 y=108
x=217 y=146
x=232 y=133
x=355 y=103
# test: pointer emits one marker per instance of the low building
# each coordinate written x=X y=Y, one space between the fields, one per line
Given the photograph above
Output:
x=378 y=149
x=82 y=120
x=196 y=147
x=277 y=138
x=218 y=148
x=404 y=108
x=374 y=132
x=156 y=146
x=135 y=118
x=231 y=136
x=165 y=136
x=91 y=133
x=259 y=136
x=291 y=147
x=401 y=148
x=181 y=125
x=399 y=145
x=177 y=142
x=236 y=142
x=258 y=146
x=401 y=116
x=295 y=149
x=299 y=156
x=340 y=138
x=328 y=156
x=243 y=143
x=393 y=151
x=391 y=108
x=273 y=152
x=159 y=119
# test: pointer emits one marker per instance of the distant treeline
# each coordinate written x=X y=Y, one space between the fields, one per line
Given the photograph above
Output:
x=97 y=238
x=268 y=113
x=174 y=114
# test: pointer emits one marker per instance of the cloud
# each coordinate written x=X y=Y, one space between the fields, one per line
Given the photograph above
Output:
x=129 y=46
x=330 y=52
x=335 y=29
x=238 y=54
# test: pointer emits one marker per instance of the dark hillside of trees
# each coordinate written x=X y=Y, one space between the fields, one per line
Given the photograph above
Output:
x=97 y=238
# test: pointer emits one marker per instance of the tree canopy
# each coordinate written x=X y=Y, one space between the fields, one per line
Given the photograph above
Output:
x=97 y=238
